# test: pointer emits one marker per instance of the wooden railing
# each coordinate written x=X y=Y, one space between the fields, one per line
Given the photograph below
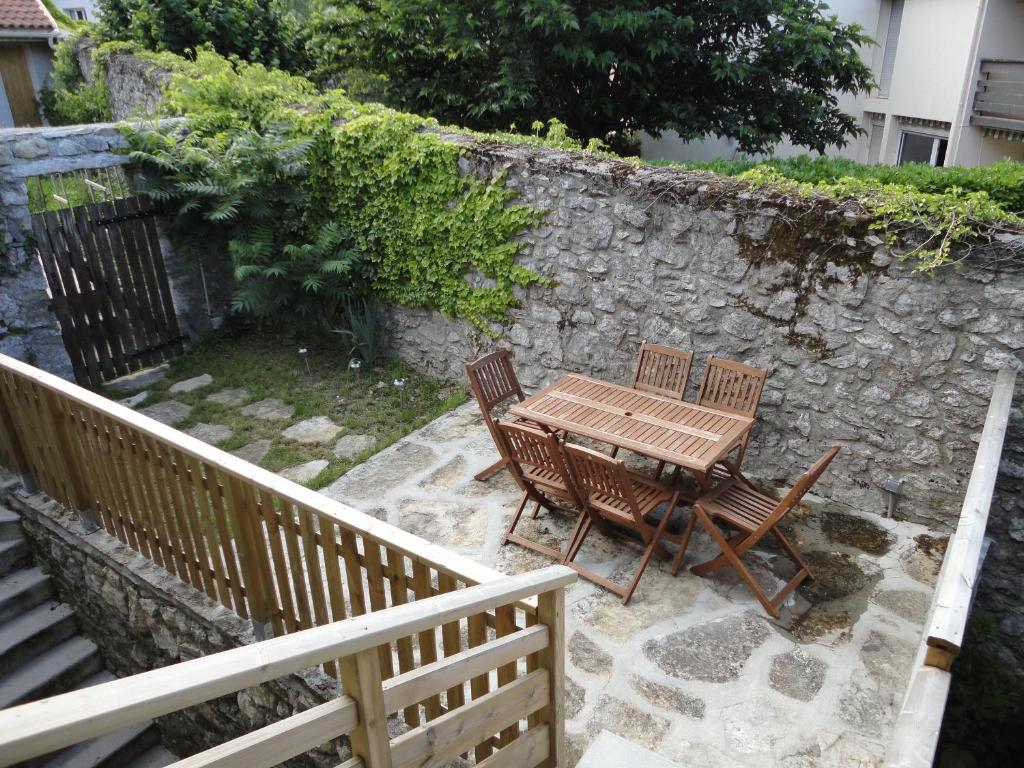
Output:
x=269 y=549
x=999 y=97
x=516 y=724
x=916 y=734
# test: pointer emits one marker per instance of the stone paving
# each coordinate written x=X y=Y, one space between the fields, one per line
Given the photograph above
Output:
x=692 y=668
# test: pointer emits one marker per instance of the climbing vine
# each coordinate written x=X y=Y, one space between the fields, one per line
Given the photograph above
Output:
x=433 y=237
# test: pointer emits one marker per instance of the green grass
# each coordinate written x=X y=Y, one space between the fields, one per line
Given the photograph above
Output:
x=266 y=365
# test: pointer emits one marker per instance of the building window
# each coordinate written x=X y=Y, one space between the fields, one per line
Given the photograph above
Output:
x=77 y=14
x=892 y=39
x=922 y=148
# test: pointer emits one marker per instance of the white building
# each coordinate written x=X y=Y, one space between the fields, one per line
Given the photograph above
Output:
x=80 y=10
x=950 y=77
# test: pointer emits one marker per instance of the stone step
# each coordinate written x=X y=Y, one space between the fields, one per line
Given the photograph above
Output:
x=611 y=751
x=10 y=524
x=115 y=749
x=34 y=632
x=58 y=669
x=156 y=757
x=22 y=590
x=14 y=554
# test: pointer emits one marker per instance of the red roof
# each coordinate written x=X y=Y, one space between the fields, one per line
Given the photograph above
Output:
x=24 y=14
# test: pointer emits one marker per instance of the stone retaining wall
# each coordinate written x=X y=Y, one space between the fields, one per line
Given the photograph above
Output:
x=142 y=618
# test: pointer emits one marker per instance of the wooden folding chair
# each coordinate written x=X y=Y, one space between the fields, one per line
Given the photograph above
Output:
x=734 y=388
x=734 y=502
x=536 y=462
x=493 y=381
x=625 y=499
x=661 y=370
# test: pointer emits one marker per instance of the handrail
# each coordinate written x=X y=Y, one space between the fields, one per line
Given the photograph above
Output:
x=916 y=732
x=377 y=530
x=36 y=728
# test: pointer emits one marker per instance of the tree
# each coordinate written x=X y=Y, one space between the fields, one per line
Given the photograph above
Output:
x=256 y=30
x=753 y=70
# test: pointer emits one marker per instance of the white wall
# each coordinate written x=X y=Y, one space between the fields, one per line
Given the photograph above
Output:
x=92 y=9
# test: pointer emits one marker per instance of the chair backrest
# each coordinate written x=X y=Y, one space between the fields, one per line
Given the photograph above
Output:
x=662 y=370
x=730 y=386
x=804 y=484
x=493 y=381
x=531 y=447
x=600 y=478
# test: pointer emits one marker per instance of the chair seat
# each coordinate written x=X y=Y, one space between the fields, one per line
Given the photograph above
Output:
x=548 y=481
x=738 y=504
x=649 y=494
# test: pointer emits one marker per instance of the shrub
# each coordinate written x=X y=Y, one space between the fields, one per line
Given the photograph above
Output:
x=68 y=99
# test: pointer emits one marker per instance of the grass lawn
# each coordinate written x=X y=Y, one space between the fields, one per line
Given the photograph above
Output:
x=366 y=402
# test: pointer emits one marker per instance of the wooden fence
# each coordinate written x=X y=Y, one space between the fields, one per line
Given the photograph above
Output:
x=271 y=550
x=919 y=722
x=528 y=708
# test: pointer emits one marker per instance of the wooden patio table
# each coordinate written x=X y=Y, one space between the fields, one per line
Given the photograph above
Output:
x=691 y=436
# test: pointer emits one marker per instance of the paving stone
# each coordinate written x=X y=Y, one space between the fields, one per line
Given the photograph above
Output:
x=388 y=470
x=444 y=522
x=135 y=400
x=465 y=421
x=922 y=563
x=887 y=660
x=658 y=596
x=232 y=397
x=610 y=751
x=348 y=446
x=909 y=604
x=585 y=655
x=253 y=452
x=856 y=531
x=147 y=377
x=210 y=433
x=271 y=409
x=191 y=385
x=699 y=753
x=628 y=721
x=835 y=751
x=303 y=473
x=168 y=412
x=575 y=698
x=797 y=674
x=446 y=476
x=317 y=429
x=667 y=697
x=755 y=726
x=714 y=652
x=864 y=708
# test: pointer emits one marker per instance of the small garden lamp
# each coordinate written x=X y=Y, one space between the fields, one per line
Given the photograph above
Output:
x=354 y=365
x=305 y=358
x=400 y=386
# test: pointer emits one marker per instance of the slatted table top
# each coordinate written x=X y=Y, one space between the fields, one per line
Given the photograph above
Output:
x=674 y=431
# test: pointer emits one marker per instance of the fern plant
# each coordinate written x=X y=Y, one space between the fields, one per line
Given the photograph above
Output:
x=243 y=193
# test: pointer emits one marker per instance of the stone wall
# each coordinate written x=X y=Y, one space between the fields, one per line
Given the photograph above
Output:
x=142 y=618
x=28 y=329
x=894 y=366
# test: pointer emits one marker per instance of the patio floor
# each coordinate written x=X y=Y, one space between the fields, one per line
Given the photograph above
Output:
x=692 y=668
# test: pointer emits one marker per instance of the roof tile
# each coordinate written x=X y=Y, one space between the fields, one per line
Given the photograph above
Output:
x=24 y=14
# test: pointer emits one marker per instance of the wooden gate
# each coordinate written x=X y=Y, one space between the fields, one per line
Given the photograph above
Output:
x=108 y=285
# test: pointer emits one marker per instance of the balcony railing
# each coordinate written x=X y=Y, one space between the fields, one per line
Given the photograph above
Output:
x=999 y=98
x=307 y=569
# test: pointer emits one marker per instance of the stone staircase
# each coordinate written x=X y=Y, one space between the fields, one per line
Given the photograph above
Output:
x=42 y=654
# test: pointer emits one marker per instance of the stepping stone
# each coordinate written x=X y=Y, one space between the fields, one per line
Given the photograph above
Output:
x=585 y=654
x=318 y=429
x=797 y=674
x=191 y=385
x=349 y=446
x=270 y=409
x=140 y=379
x=210 y=433
x=169 y=412
x=253 y=452
x=135 y=400
x=232 y=397
x=667 y=697
x=303 y=473
x=714 y=652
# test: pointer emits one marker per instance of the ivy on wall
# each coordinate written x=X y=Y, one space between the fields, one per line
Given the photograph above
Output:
x=432 y=236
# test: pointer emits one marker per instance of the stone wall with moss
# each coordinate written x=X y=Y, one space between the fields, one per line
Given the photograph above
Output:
x=895 y=366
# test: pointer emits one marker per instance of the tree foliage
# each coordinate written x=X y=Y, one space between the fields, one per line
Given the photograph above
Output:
x=256 y=30
x=755 y=70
